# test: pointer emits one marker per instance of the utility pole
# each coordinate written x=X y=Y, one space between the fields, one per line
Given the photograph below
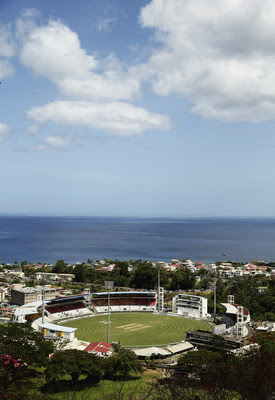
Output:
x=215 y=300
x=158 y=290
x=43 y=299
x=108 y=324
x=109 y=285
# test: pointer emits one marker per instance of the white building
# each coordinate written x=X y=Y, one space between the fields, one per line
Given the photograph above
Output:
x=189 y=305
x=57 y=331
x=52 y=276
x=31 y=294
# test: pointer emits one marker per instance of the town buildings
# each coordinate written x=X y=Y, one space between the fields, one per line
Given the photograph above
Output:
x=26 y=295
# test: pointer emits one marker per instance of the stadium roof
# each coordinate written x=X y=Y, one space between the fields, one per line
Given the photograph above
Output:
x=177 y=348
x=57 y=328
x=232 y=308
x=118 y=293
x=29 y=308
x=68 y=297
x=147 y=352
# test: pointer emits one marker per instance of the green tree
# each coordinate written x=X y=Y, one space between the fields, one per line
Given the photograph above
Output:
x=218 y=374
x=182 y=279
x=123 y=267
x=60 y=267
x=144 y=276
x=256 y=369
x=75 y=363
x=122 y=364
x=22 y=350
x=81 y=273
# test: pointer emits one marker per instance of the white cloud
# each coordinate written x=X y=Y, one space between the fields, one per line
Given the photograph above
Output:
x=92 y=85
x=4 y=132
x=6 y=69
x=106 y=24
x=54 y=143
x=7 y=44
x=114 y=14
x=220 y=54
x=108 y=85
x=118 y=117
x=7 y=50
x=30 y=13
x=54 y=51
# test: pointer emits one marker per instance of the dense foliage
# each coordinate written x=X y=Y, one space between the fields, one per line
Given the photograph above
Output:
x=85 y=369
x=261 y=305
x=22 y=352
x=219 y=375
x=122 y=364
x=75 y=363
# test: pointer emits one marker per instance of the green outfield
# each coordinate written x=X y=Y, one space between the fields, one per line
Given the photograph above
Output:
x=132 y=329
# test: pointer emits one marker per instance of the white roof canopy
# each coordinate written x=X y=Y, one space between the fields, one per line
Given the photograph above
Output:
x=147 y=352
x=57 y=328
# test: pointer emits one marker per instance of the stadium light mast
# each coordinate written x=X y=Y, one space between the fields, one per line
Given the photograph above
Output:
x=43 y=299
x=158 y=290
x=109 y=285
x=108 y=324
x=215 y=300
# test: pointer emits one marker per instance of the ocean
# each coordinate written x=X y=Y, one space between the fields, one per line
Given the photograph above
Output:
x=48 y=239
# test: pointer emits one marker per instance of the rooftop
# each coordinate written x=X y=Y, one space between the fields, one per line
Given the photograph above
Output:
x=100 y=347
x=57 y=328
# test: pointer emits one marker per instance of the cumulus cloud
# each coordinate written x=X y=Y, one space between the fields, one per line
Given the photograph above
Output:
x=219 y=54
x=108 y=85
x=54 y=51
x=118 y=117
x=54 y=143
x=4 y=132
x=93 y=86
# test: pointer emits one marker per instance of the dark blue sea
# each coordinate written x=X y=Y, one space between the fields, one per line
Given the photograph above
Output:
x=48 y=239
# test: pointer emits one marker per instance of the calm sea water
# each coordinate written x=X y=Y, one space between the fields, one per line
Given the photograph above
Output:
x=48 y=239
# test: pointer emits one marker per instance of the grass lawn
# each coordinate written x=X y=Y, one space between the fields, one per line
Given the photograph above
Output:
x=137 y=385
x=133 y=329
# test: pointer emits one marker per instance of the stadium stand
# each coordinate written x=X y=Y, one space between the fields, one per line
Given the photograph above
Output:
x=66 y=307
x=77 y=306
x=124 y=301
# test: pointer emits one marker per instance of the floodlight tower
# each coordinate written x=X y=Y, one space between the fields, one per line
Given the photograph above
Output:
x=240 y=321
x=158 y=290
x=108 y=324
x=230 y=299
x=215 y=300
x=109 y=285
x=43 y=299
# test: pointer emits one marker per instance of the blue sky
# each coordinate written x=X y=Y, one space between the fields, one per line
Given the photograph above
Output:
x=137 y=108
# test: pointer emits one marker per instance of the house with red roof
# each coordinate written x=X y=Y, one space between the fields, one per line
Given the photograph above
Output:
x=101 y=349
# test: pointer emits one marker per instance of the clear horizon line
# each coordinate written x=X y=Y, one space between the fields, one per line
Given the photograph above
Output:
x=153 y=216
